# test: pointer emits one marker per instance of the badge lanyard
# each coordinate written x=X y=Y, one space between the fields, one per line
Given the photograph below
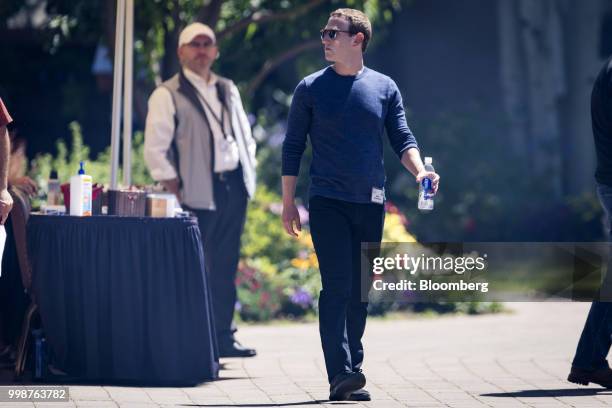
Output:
x=220 y=121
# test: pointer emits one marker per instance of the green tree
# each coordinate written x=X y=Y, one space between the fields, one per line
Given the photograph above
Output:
x=256 y=37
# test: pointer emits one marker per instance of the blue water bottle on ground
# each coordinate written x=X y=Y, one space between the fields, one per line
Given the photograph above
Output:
x=426 y=201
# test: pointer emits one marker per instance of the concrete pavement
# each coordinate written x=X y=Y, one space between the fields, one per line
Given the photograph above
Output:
x=518 y=359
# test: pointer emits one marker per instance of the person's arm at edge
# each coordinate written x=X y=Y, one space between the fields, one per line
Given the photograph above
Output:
x=6 y=201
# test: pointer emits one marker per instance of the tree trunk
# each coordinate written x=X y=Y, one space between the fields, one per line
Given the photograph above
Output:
x=541 y=34
x=512 y=76
x=583 y=22
x=170 y=63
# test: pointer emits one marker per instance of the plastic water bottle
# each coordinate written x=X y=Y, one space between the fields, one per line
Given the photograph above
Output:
x=426 y=202
x=80 y=193
x=53 y=189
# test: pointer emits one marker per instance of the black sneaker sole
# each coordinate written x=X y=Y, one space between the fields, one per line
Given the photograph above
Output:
x=354 y=397
x=236 y=355
x=577 y=379
x=344 y=390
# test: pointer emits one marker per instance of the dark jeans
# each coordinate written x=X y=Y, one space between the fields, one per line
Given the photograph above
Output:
x=338 y=228
x=221 y=230
x=594 y=343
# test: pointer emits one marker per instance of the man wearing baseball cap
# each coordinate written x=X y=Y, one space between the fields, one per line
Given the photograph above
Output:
x=198 y=145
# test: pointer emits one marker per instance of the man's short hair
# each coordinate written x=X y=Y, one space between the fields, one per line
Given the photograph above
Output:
x=358 y=23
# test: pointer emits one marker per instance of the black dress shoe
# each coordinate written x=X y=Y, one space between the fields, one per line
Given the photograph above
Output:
x=235 y=349
x=602 y=376
x=360 y=395
x=344 y=384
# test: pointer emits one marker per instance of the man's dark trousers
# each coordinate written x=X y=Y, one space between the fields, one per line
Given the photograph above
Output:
x=221 y=230
x=338 y=228
x=594 y=343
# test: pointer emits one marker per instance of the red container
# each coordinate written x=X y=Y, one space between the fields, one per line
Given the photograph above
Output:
x=96 y=197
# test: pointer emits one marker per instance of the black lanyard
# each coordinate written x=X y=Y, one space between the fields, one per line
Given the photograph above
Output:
x=220 y=121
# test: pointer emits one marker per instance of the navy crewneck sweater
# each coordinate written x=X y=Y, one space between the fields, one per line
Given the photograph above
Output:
x=345 y=117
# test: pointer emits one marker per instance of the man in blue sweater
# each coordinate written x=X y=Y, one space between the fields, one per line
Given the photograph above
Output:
x=345 y=109
x=590 y=364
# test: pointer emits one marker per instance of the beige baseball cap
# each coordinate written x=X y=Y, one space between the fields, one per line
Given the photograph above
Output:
x=193 y=30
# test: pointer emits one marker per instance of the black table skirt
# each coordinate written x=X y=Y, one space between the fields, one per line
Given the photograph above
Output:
x=124 y=299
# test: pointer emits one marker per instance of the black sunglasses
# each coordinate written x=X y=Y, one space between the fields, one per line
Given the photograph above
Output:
x=331 y=34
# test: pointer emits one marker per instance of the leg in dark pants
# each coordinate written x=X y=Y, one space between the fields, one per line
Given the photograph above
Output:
x=221 y=230
x=369 y=228
x=338 y=228
x=594 y=343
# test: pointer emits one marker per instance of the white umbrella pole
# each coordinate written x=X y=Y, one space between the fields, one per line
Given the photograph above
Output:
x=127 y=92
x=117 y=82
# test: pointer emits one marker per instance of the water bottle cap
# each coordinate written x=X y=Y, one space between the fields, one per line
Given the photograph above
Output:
x=53 y=175
x=81 y=169
x=428 y=160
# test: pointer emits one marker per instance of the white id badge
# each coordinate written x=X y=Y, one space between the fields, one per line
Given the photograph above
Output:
x=227 y=143
x=378 y=195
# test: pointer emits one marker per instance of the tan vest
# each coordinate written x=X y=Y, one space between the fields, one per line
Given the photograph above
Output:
x=192 y=152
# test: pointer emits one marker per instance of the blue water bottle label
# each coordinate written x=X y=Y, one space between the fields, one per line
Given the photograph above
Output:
x=426 y=183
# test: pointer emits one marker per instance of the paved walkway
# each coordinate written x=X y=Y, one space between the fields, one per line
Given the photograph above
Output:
x=508 y=360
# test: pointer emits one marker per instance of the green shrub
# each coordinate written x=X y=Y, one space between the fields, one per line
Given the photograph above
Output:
x=66 y=161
